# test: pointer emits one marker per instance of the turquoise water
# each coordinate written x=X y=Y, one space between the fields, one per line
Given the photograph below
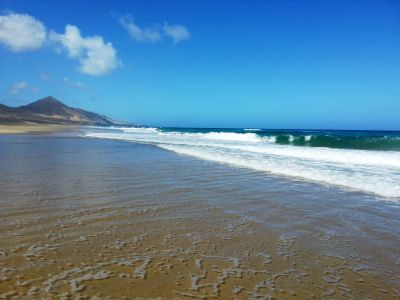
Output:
x=341 y=139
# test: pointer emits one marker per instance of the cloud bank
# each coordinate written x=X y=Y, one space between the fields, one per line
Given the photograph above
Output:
x=96 y=56
x=21 y=32
x=155 y=33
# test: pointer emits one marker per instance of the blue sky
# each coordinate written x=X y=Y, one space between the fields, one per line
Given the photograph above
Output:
x=269 y=64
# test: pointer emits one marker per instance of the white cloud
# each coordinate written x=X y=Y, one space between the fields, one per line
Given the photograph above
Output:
x=79 y=85
x=17 y=87
x=96 y=57
x=176 y=32
x=44 y=76
x=155 y=33
x=142 y=35
x=75 y=84
x=20 y=32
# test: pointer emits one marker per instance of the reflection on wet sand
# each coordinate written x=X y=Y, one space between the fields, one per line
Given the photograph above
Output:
x=124 y=233
x=153 y=252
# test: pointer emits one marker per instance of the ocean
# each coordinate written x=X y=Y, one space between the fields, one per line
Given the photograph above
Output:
x=364 y=161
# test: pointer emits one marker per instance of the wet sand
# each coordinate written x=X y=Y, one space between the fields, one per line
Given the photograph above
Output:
x=93 y=219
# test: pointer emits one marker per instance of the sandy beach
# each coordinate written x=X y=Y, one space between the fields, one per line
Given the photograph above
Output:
x=33 y=128
x=234 y=150
x=96 y=219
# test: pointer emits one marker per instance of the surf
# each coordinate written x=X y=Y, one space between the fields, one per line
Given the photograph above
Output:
x=369 y=171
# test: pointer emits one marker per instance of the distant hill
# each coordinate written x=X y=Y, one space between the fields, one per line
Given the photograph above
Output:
x=51 y=111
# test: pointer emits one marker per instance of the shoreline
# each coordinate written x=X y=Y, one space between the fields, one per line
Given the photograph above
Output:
x=113 y=219
x=368 y=171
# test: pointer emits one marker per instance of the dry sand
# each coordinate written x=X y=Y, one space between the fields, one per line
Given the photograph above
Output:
x=33 y=128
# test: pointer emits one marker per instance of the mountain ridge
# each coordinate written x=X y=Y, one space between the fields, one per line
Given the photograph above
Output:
x=50 y=110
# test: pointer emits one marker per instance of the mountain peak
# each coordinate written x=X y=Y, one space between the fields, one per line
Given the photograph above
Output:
x=52 y=111
x=48 y=106
x=49 y=100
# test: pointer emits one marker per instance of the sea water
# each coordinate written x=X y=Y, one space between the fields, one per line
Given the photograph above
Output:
x=366 y=161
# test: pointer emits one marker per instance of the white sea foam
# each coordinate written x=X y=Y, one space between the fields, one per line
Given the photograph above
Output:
x=363 y=180
x=137 y=129
x=231 y=136
x=375 y=172
x=270 y=139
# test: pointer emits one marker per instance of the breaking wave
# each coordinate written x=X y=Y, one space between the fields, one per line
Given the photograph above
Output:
x=291 y=154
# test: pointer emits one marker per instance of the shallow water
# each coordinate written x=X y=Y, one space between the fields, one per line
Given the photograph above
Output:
x=87 y=217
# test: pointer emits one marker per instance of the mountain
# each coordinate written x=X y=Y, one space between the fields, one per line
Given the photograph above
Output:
x=52 y=111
